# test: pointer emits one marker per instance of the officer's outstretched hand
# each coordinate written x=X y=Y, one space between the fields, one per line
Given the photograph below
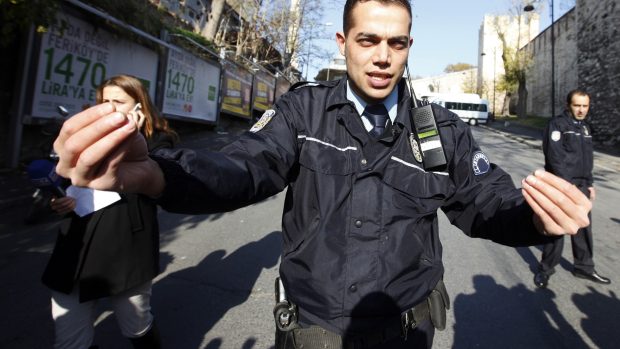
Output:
x=102 y=149
x=559 y=206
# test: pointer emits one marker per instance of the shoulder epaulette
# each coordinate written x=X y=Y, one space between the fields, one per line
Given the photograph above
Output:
x=312 y=84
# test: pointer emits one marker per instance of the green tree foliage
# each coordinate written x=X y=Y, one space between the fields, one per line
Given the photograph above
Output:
x=451 y=68
x=17 y=15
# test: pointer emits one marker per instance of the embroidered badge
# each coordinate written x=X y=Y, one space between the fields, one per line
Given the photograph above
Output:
x=555 y=136
x=415 y=147
x=480 y=163
x=263 y=121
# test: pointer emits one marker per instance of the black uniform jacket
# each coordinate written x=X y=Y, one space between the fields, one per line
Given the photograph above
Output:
x=567 y=144
x=361 y=241
x=108 y=251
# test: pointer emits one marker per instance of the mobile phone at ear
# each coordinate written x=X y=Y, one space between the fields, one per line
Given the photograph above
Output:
x=137 y=107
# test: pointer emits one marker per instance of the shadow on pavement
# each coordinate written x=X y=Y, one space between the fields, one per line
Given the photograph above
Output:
x=25 y=319
x=189 y=302
x=602 y=315
x=494 y=316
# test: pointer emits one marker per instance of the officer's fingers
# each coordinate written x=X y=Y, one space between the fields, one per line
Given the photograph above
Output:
x=547 y=226
x=79 y=121
x=123 y=169
x=564 y=194
x=552 y=215
x=70 y=149
x=564 y=186
x=93 y=155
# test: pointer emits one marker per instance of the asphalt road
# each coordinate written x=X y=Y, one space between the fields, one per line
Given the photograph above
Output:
x=216 y=289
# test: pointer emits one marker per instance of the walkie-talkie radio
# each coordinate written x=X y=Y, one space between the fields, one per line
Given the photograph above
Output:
x=423 y=121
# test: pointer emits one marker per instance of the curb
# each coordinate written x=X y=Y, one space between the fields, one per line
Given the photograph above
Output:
x=532 y=142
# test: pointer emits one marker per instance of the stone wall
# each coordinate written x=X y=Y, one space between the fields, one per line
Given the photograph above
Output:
x=587 y=56
x=538 y=76
x=598 y=44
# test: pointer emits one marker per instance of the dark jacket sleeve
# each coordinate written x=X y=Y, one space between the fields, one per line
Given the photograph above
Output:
x=257 y=165
x=555 y=154
x=485 y=203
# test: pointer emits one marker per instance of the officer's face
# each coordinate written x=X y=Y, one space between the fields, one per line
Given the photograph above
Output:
x=376 y=48
x=579 y=106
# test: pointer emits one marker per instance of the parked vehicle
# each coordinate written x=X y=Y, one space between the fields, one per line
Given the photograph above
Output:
x=468 y=106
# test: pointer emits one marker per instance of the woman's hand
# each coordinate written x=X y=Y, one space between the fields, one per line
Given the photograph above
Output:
x=63 y=205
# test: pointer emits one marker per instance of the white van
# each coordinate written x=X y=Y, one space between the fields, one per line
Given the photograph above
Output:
x=468 y=106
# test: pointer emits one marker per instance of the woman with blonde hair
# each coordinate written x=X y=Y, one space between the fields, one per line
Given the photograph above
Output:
x=112 y=252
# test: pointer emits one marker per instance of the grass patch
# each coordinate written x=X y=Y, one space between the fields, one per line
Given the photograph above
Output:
x=537 y=122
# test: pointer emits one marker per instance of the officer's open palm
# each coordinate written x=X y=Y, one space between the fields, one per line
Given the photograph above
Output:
x=559 y=207
x=101 y=149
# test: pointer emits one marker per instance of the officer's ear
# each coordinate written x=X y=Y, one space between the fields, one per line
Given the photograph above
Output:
x=341 y=41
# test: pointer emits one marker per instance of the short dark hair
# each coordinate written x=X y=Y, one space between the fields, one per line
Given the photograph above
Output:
x=347 y=20
x=578 y=92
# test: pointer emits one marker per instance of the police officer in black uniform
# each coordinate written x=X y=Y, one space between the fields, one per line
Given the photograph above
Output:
x=567 y=144
x=362 y=261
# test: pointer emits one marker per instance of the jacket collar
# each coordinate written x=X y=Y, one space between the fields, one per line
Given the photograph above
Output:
x=569 y=116
x=338 y=95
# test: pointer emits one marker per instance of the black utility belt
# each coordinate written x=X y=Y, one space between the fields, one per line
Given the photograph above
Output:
x=433 y=308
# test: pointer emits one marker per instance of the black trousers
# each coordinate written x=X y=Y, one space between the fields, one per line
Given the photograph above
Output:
x=581 y=245
x=421 y=337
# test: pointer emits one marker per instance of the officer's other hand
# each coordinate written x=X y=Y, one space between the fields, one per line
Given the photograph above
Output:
x=63 y=205
x=102 y=149
x=559 y=206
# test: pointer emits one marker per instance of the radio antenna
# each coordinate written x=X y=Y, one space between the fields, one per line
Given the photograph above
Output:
x=415 y=102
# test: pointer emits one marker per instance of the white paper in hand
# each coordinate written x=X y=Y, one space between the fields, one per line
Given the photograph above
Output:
x=90 y=200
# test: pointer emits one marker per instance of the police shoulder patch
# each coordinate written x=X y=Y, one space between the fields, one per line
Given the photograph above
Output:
x=263 y=121
x=415 y=148
x=556 y=135
x=480 y=163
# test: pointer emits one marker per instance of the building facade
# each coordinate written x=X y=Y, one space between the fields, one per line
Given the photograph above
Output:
x=336 y=69
x=517 y=32
x=453 y=83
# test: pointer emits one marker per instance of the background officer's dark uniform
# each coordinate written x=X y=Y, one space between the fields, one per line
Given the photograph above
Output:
x=361 y=242
x=567 y=145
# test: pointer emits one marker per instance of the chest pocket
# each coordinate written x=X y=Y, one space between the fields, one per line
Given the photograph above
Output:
x=416 y=189
x=326 y=158
x=570 y=141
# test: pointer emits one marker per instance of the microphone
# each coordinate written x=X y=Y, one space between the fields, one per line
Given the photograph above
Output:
x=43 y=175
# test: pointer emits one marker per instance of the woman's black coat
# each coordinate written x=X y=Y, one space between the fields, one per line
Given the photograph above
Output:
x=111 y=250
